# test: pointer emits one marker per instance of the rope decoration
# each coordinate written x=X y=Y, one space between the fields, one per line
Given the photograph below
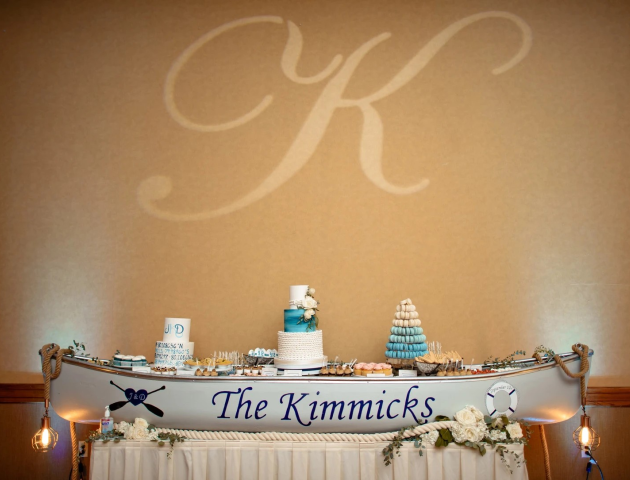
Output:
x=48 y=352
x=582 y=351
x=307 y=437
x=543 y=440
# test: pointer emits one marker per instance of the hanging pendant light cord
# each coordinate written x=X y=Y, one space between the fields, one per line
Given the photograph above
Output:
x=48 y=352
x=582 y=351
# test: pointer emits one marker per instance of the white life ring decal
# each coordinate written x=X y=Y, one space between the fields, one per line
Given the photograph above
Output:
x=493 y=390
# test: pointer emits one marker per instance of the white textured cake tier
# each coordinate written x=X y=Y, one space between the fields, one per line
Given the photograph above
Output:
x=314 y=363
x=300 y=346
x=173 y=354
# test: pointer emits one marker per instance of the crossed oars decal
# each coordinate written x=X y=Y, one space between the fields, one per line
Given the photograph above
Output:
x=137 y=398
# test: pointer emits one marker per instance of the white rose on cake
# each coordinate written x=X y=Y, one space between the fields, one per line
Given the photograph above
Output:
x=309 y=314
x=514 y=430
x=311 y=291
x=309 y=302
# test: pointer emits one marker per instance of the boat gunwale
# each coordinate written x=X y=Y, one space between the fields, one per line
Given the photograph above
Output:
x=566 y=357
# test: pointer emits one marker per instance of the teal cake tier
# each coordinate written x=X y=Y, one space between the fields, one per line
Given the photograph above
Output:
x=291 y=319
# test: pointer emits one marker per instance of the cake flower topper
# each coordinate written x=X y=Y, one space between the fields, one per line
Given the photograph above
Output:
x=310 y=306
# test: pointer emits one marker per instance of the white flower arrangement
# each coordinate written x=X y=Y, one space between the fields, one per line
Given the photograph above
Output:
x=139 y=430
x=473 y=430
x=310 y=306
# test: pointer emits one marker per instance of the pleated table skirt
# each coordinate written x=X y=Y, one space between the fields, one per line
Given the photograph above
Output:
x=234 y=460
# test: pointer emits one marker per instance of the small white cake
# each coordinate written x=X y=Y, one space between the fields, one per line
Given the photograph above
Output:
x=175 y=347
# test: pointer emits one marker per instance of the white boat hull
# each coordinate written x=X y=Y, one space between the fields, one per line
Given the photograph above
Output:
x=539 y=394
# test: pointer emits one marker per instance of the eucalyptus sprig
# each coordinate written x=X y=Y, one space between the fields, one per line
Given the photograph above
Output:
x=394 y=446
x=544 y=351
x=117 y=435
x=78 y=349
x=507 y=362
x=499 y=425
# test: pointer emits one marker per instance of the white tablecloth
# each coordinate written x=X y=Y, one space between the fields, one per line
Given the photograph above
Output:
x=232 y=460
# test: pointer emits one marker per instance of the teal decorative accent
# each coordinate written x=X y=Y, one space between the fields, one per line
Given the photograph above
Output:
x=291 y=319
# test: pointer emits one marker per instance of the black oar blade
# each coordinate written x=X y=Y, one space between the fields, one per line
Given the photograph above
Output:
x=117 y=405
x=154 y=410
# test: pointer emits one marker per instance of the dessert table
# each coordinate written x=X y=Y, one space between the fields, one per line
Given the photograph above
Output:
x=227 y=460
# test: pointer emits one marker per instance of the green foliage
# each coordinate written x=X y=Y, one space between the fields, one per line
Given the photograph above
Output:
x=116 y=436
x=396 y=443
x=507 y=362
x=78 y=349
x=518 y=460
x=445 y=437
x=544 y=351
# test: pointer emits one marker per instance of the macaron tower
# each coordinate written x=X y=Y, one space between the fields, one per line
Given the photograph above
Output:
x=406 y=340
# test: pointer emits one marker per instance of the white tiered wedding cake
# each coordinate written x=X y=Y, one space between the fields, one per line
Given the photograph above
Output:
x=300 y=345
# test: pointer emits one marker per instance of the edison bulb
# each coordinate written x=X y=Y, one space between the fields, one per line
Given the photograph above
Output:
x=45 y=437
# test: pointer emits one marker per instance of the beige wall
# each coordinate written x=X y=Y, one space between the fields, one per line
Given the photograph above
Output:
x=497 y=200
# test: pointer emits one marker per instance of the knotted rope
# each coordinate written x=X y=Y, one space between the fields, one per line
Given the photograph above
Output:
x=48 y=352
x=582 y=351
x=307 y=437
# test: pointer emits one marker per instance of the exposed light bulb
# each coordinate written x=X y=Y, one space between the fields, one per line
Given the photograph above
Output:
x=585 y=436
x=45 y=437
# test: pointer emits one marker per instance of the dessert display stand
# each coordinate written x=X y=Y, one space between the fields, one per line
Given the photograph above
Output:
x=309 y=411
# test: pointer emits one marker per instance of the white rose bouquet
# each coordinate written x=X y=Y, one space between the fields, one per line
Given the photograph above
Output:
x=310 y=305
x=139 y=430
x=471 y=429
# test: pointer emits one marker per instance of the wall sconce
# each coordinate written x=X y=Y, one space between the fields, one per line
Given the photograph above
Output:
x=46 y=437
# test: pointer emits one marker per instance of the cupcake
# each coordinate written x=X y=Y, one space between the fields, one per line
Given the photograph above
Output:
x=136 y=361
x=126 y=360
x=118 y=358
x=358 y=369
x=378 y=368
x=387 y=369
x=368 y=368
